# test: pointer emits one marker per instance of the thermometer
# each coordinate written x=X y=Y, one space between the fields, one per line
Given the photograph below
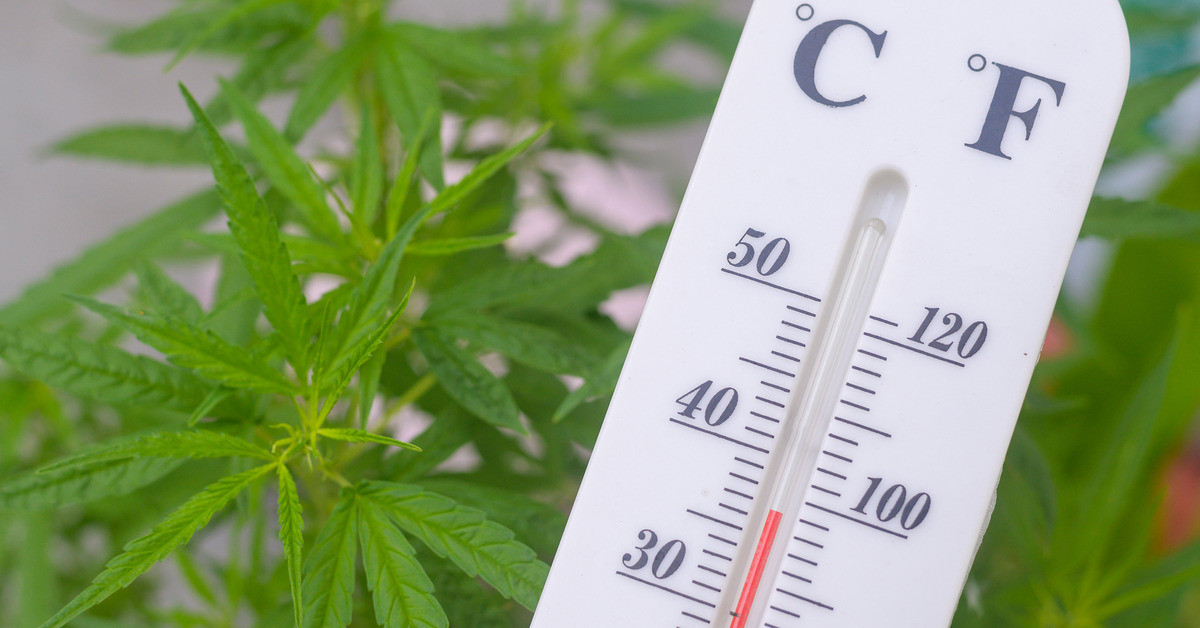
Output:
x=813 y=417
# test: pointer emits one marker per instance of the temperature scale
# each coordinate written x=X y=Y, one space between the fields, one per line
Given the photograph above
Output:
x=813 y=416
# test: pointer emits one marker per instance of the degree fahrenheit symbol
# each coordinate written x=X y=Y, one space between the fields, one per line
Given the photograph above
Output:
x=977 y=62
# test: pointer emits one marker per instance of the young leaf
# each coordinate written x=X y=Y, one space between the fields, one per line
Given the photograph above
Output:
x=447 y=434
x=467 y=381
x=328 y=590
x=257 y=233
x=327 y=79
x=195 y=444
x=483 y=171
x=1116 y=219
x=366 y=177
x=136 y=144
x=45 y=491
x=283 y=167
x=101 y=372
x=464 y=535
x=402 y=593
x=455 y=52
x=351 y=435
x=140 y=555
x=291 y=535
x=164 y=296
x=450 y=246
x=358 y=355
x=372 y=296
x=410 y=89
x=103 y=264
x=198 y=349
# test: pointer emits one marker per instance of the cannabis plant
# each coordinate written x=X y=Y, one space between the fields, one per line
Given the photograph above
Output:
x=380 y=411
x=375 y=379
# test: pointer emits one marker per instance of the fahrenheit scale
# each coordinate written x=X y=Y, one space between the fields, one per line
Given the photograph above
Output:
x=812 y=419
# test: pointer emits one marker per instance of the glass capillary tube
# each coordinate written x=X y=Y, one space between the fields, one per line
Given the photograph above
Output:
x=808 y=414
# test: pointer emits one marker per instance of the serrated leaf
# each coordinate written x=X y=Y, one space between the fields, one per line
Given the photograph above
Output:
x=372 y=296
x=450 y=246
x=465 y=536
x=164 y=295
x=402 y=593
x=257 y=233
x=410 y=89
x=136 y=144
x=103 y=264
x=467 y=381
x=100 y=372
x=44 y=491
x=358 y=355
x=1117 y=219
x=484 y=170
x=454 y=52
x=283 y=167
x=190 y=444
x=198 y=349
x=1143 y=103
x=351 y=435
x=324 y=82
x=602 y=380
x=291 y=535
x=537 y=524
x=329 y=570
x=535 y=346
x=142 y=554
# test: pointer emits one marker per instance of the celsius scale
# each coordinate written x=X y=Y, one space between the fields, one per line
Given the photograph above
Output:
x=813 y=416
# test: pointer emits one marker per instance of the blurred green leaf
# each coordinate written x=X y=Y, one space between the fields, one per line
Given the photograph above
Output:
x=1116 y=219
x=467 y=381
x=136 y=144
x=103 y=264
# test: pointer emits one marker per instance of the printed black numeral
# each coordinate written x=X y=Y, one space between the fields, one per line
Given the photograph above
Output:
x=717 y=410
x=895 y=502
x=768 y=261
x=968 y=342
x=666 y=560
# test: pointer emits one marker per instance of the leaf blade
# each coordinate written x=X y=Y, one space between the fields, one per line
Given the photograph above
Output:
x=262 y=251
x=141 y=554
x=291 y=536
x=402 y=593
x=478 y=546
x=329 y=572
x=467 y=381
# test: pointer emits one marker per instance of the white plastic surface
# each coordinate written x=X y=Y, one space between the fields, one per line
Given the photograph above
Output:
x=989 y=224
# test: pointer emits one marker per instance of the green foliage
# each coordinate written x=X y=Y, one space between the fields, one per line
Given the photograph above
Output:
x=126 y=393
x=286 y=388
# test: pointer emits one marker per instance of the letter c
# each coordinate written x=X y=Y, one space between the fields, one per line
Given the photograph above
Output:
x=810 y=50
